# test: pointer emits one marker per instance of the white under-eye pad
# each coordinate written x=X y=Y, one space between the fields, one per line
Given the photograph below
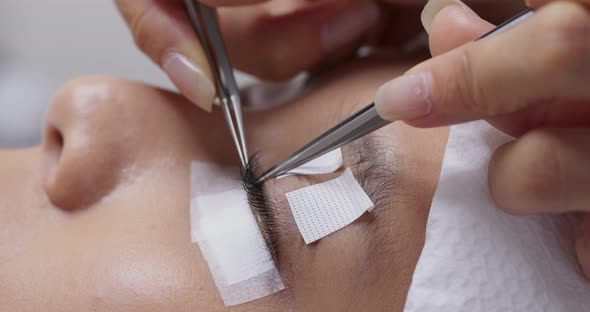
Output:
x=325 y=208
x=327 y=163
x=224 y=227
x=231 y=208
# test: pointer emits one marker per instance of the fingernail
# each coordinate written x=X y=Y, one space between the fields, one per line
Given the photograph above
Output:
x=405 y=98
x=349 y=27
x=433 y=7
x=189 y=79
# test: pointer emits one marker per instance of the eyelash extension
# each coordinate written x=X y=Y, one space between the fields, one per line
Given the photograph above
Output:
x=258 y=201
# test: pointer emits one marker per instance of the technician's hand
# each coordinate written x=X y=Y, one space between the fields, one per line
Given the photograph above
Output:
x=532 y=82
x=273 y=40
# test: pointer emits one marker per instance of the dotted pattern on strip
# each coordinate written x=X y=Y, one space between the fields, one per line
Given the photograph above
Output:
x=325 y=208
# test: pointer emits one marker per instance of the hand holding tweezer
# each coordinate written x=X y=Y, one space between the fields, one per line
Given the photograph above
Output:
x=205 y=23
x=360 y=124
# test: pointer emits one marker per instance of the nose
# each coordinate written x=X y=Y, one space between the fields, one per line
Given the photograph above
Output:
x=96 y=128
x=100 y=130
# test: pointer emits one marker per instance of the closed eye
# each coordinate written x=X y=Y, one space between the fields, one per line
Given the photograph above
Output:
x=374 y=168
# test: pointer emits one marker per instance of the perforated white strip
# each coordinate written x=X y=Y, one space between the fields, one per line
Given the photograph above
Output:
x=325 y=208
x=328 y=163
x=223 y=226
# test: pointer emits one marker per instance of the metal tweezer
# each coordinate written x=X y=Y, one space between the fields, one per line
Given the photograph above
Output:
x=357 y=126
x=205 y=23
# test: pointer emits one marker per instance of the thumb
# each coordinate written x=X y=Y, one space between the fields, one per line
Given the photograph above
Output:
x=542 y=59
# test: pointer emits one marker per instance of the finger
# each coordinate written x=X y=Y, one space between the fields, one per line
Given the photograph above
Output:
x=546 y=171
x=548 y=114
x=544 y=58
x=276 y=44
x=583 y=245
x=162 y=31
x=456 y=24
x=450 y=24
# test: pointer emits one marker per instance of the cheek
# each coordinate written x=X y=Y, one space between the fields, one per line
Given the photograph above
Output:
x=25 y=211
x=145 y=258
x=130 y=253
x=156 y=277
x=102 y=266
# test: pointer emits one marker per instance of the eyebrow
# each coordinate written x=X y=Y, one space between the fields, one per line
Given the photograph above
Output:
x=380 y=176
x=375 y=173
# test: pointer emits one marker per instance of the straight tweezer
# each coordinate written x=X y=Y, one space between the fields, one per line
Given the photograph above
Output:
x=205 y=24
x=360 y=124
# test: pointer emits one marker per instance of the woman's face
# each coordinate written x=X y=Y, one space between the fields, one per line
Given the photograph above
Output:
x=97 y=217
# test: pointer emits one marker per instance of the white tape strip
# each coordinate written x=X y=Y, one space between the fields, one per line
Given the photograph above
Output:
x=328 y=163
x=230 y=240
x=325 y=208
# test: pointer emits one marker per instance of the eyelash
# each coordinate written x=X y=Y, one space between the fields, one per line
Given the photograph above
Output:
x=258 y=201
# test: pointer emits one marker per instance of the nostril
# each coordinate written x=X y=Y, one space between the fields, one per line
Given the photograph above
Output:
x=56 y=138
x=54 y=142
x=84 y=154
x=78 y=171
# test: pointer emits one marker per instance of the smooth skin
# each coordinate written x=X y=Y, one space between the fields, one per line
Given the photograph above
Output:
x=532 y=82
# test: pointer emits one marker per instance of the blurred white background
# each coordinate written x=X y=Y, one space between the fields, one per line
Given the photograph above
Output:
x=46 y=43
